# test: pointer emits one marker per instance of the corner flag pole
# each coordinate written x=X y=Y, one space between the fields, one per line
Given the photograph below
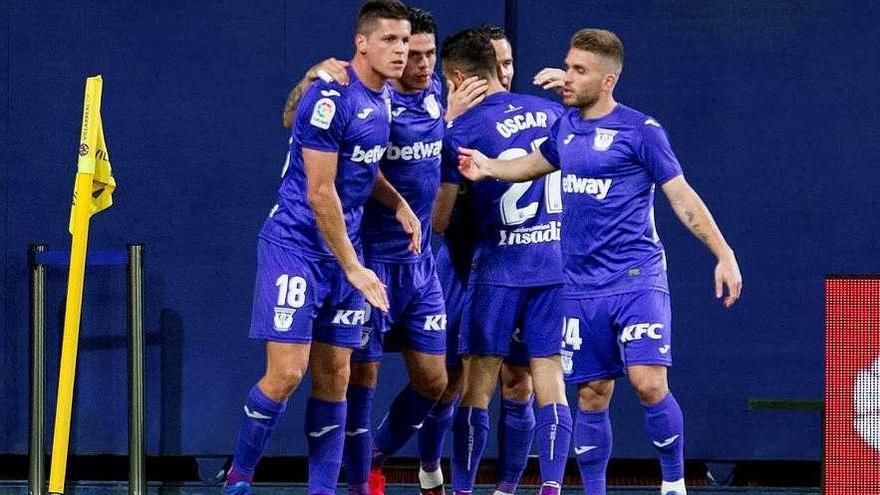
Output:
x=79 y=229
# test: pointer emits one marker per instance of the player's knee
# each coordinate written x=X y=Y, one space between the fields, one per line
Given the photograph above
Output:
x=279 y=383
x=595 y=395
x=431 y=386
x=364 y=374
x=453 y=388
x=651 y=389
x=519 y=389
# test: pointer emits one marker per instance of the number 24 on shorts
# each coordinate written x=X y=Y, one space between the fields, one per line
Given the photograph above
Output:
x=571 y=333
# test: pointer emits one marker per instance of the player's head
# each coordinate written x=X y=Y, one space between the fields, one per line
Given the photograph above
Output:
x=382 y=36
x=503 y=53
x=468 y=53
x=592 y=67
x=422 y=51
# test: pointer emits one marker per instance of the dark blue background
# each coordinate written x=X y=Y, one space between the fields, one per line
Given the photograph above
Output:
x=771 y=107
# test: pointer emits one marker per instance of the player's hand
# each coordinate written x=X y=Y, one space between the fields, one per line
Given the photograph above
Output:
x=411 y=225
x=550 y=78
x=473 y=165
x=460 y=98
x=366 y=281
x=727 y=275
x=333 y=68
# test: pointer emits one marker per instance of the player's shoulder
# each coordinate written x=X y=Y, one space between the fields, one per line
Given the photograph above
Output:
x=532 y=100
x=637 y=118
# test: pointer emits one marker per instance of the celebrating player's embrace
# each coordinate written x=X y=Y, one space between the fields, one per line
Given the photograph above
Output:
x=564 y=240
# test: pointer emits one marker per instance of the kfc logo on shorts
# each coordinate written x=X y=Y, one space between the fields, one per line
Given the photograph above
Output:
x=283 y=318
x=350 y=317
x=640 y=330
x=435 y=323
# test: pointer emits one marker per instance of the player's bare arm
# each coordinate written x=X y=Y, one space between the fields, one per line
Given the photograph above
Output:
x=476 y=166
x=694 y=214
x=443 y=205
x=460 y=98
x=334 y=70
x=320 y=169
x=387 y=195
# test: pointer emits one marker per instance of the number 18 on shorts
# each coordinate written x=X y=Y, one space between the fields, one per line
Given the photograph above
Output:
x=298 y=299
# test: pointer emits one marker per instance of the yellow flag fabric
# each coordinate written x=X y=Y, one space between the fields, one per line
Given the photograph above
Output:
x=94 y=158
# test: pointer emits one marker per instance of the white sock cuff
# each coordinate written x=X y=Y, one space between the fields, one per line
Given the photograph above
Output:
x=430 y=480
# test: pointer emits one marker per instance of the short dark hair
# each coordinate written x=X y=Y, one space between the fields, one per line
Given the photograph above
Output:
x=422 y=21
x=373 y=10
x=469 y=51
x=601 y=42
x=493 y=32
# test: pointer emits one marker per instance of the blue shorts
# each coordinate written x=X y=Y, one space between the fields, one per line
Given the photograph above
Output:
x=604 y=335
x=416 y=310
x=517 y=323
x=299 y=299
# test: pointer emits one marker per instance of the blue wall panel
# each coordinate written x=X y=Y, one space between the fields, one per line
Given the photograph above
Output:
x=770 y=107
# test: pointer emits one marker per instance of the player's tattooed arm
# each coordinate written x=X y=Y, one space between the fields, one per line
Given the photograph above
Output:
x=330 y=70
x=460 y=98
x=386 y=194
x=550 y=78
x=443 y=206
x=694 y=214
x=476 y=166
x=323 y=199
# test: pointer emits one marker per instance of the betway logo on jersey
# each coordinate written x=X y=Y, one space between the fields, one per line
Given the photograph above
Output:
x=538 y=234
x=639 y=331
x=582 y=185
x=372 y=155
x=416 y=151
x=509 y=127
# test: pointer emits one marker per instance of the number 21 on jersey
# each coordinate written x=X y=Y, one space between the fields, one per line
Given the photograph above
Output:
x=511 y=214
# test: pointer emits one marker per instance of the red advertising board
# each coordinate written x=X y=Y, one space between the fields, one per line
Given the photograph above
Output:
x=852 y=385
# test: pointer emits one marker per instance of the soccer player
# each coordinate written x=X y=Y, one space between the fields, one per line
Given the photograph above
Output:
x=617 y=310
x=515 y=279
x=412 y=166
x=311 y=284
x=417 y=311
x=516 y=422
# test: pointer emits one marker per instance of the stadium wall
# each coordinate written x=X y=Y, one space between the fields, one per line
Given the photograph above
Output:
x=771 y=108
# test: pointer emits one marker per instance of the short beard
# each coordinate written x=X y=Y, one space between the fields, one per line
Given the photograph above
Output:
x=585 y=101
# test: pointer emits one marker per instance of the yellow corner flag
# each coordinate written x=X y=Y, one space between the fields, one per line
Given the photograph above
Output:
x=92 y=192
x=94 y=158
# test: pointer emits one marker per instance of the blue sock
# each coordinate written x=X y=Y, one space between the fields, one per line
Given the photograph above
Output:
x=405 y=417
x=664 y=424
x=358 y=438
x=470 y=432
x=325 y=431
x=515 y=432
x=261 y=416
x=432 y=436
x=553 y=433
x=592 y=446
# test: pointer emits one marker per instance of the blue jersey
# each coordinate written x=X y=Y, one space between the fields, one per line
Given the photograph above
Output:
x=609 y=168
x=412 y=166
x=354 y=122
x=516 y=227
